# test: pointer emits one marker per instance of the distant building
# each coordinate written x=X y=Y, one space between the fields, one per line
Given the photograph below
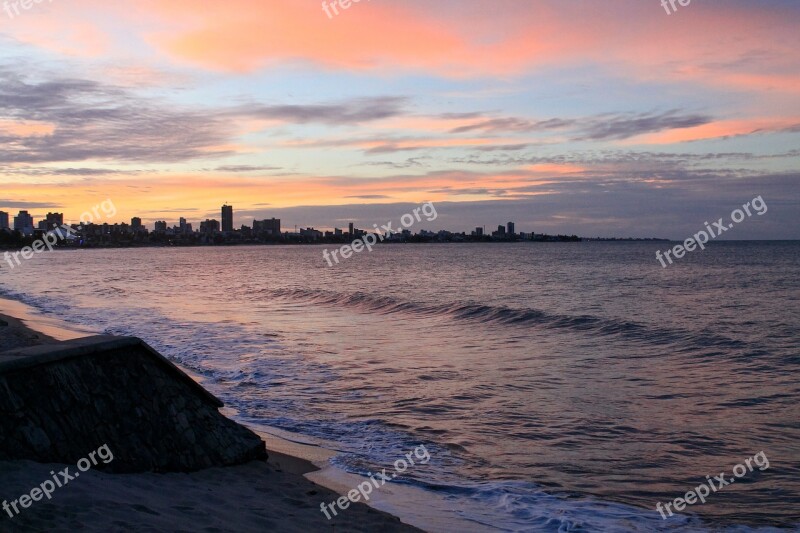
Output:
x=270 y=226
x=209 y=226
x=500 y=233
x=161 y=226
x=136 y=224
x=23 y=223
x=352 y=230
x=227 y=218
x=183 y=227
x=478 y=232
x=273 y=225
x=91 y=230
x=510 y=229
x=311 y=233
x=4 y=220
x=53 y=221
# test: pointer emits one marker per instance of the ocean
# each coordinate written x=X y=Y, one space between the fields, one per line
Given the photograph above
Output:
x=556 y=386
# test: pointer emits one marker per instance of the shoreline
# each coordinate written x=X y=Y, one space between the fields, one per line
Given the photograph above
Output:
x=23 y=317
x=285 y=491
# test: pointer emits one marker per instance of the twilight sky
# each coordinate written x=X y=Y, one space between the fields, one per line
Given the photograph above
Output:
x=597 y=118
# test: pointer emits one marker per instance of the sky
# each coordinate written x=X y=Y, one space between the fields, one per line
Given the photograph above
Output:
x=594 y=118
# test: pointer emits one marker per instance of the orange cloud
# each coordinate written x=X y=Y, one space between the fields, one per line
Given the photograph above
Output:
x=703 y=43
x=507 y=38
x=243 y=35
x=715 y=130
x=553 y=168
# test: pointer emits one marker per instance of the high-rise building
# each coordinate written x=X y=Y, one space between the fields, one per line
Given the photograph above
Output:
x=352 y=230
x=23 y=223
x=184 y=227
x=136 y=223
x=510 y=229
x=227 y=218
x=53 y=221
x=161 y=226
x=479 y=231
x=501 y=230
x=209 y=226
x=4 y=220
x=270 y=226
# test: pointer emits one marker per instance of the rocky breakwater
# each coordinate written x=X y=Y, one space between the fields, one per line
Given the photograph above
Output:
x=59 y=402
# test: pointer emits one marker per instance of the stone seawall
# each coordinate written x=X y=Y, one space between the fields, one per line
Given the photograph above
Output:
x=60 y=402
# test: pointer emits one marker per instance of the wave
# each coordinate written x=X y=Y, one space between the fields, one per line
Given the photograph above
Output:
x=507 y=316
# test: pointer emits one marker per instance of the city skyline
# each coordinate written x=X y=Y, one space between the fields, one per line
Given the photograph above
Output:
x=26 y=224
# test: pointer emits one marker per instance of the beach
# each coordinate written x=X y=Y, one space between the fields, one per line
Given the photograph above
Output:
x=257 y=496
x=15 y=334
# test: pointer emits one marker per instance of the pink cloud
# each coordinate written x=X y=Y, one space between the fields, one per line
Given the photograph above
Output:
x=703 y=43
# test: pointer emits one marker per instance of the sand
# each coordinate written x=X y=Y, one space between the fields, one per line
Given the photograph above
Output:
x=258 y=496
x=253 y=497
x=14 y=334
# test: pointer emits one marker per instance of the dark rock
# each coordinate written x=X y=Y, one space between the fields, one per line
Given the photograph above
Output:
x=60 y=402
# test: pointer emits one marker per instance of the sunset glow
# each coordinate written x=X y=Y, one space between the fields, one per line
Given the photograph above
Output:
x=172 y=108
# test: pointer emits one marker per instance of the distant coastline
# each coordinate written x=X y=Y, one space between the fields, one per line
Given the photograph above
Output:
x=24 y=234
x=109 y=241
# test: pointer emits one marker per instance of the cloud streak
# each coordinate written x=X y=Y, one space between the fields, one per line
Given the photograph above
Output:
x=356 y=111
x=94 y=121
